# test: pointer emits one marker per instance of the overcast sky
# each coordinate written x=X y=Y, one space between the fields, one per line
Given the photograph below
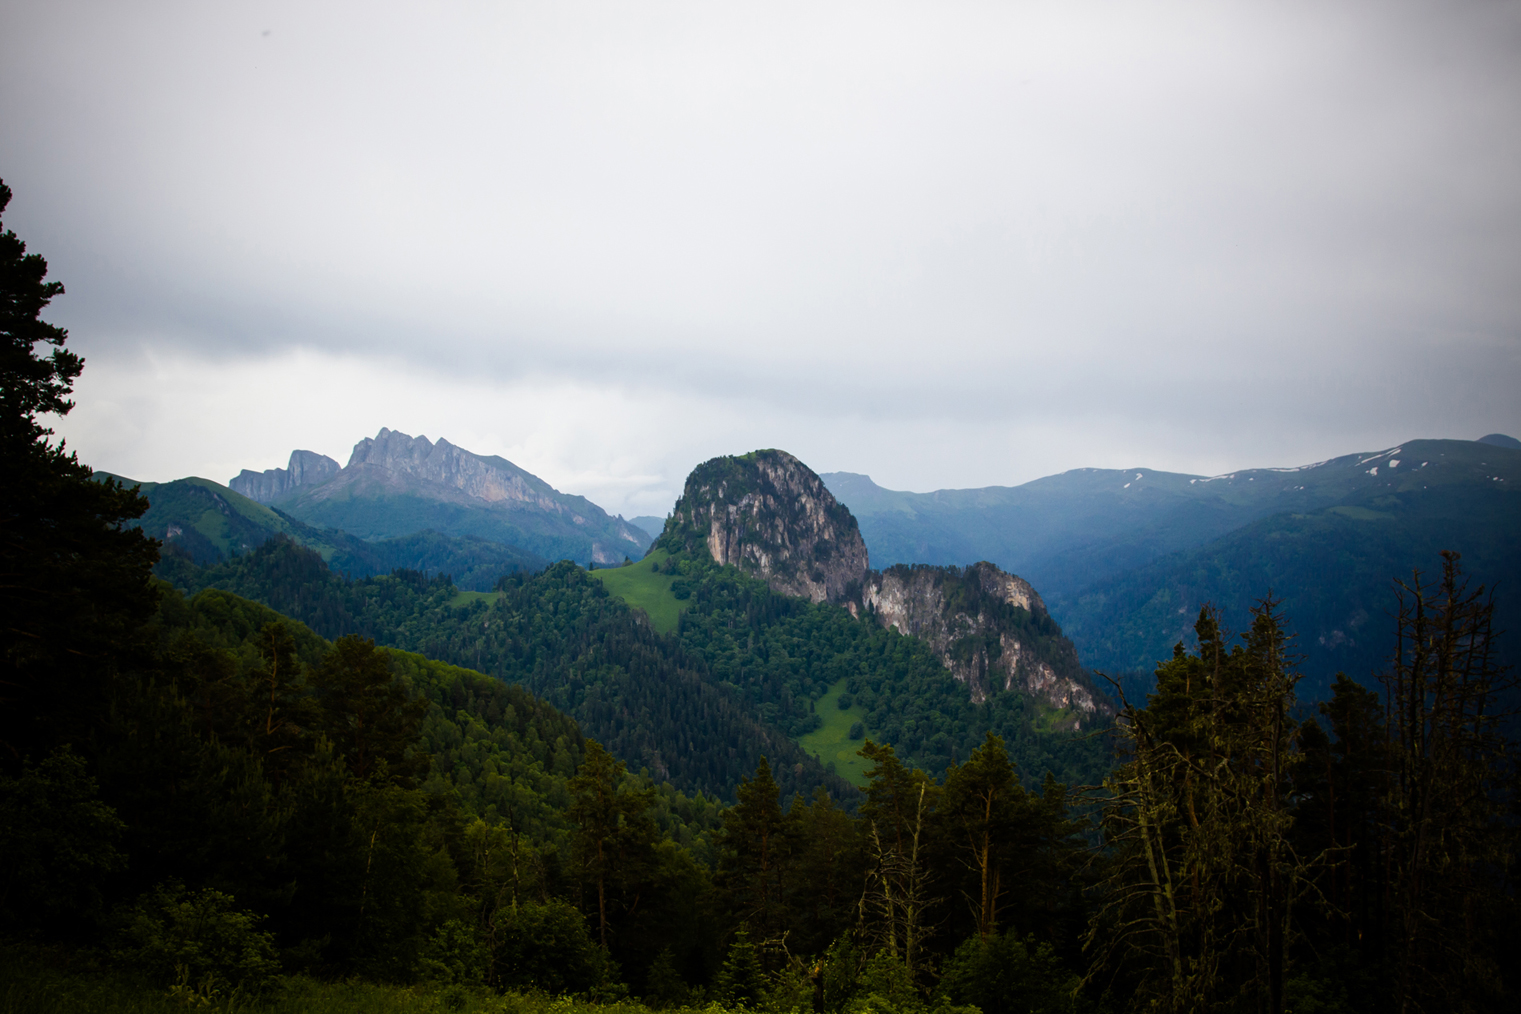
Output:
x=942 y=243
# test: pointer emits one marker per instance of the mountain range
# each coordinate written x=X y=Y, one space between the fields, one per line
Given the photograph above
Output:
x=1123 y=558
x=396 y=485
x=1126 y=557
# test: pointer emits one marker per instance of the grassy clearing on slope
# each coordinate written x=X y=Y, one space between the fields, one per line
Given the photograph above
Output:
x=831 y=742
x=642 y=588
x=465 y=598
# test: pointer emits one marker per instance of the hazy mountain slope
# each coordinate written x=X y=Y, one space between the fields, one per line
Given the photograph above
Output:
x=395 y=484
x=474 y=564
x=1125 y=559
x=1332 y=568
x=206 y=522
x=650 y=523
x=1065 y=532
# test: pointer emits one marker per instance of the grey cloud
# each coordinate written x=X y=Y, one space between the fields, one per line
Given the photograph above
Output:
x=1274 y=217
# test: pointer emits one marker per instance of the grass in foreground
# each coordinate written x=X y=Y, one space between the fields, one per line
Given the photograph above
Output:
x=30 y=988
x=640 y=587
x=831 y=741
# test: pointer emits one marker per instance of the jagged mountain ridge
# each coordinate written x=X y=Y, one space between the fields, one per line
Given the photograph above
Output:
x=395 y=485
x=306 y=468
x=770 y=515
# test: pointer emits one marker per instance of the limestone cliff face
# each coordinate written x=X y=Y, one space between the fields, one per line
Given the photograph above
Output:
x=492 y=479
x=991 y=630
x=769 y=514
x=397 y=485
x=306 y=468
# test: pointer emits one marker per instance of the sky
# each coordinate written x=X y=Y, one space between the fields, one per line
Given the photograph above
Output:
x=947 y=244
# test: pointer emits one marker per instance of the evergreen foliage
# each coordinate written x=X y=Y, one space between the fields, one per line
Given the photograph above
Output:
x=557 y=633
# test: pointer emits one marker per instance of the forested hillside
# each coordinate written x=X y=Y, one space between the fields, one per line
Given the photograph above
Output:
x=738 y=679
x=1333 y=569
x=558 y=634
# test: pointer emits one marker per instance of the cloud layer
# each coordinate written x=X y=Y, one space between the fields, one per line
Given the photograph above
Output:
x=948 y=244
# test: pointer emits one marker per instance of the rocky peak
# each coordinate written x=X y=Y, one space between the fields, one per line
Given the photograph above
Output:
x=492 y=479
x=768 y=513
x=306 y=468
x=392 y=449
x=989 y=628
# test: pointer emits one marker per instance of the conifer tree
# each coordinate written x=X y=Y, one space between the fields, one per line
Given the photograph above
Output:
x=755 y=852
x=614 y=840
x=1204 y=876
x=900 y=804
x=980 y=807
x=1452 y=841
x=73 y=581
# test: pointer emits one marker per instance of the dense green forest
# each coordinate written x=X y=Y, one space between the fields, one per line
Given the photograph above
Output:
x=559 y=634
x=212 y=802
x=740 y=676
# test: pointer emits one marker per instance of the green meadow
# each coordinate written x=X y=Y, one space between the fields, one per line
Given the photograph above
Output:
x=831 y=742
x=641 y=587
x=465 y=598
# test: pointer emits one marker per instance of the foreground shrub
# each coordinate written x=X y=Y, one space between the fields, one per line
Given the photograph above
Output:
x=196 y=943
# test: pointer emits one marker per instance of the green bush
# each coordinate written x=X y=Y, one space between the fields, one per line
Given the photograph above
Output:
x=197 y=942
x=1006 y=974
x=58 y=839
x=453 y=955
x=547 y=947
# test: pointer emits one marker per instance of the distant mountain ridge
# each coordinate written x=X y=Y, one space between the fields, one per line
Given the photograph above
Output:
x=206 y=523
x=396 y=485
x=1125 y=558
x=306 y=468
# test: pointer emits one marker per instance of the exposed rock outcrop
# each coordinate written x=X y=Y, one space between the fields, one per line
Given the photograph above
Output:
x=991 y=630
x=770 y=515
x=306 y=468
x=491 y=479
x=396 y=485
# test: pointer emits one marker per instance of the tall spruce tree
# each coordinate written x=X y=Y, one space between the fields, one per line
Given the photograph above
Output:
x=1203 y=876
x=1452 y=842
x=74 y=582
